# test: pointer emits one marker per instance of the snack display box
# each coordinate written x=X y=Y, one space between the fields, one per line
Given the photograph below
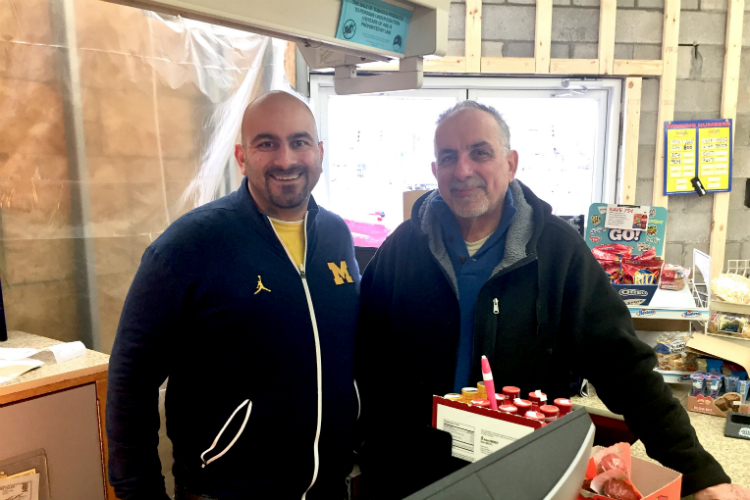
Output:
x=641 y=242
x=636 y=295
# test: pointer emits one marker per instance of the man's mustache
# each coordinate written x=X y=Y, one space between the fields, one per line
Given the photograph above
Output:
x=474 y=182
x=283 y=172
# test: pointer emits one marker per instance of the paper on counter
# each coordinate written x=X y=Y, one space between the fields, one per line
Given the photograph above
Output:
x=13 y=353
x=12 y=369
x=68 y=351
x=20 y=488
x=29 y=472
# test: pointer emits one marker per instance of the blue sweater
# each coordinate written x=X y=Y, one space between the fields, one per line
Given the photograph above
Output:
x=471 y=273
x=195 y=313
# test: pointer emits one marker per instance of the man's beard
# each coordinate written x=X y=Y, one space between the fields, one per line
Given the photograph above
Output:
x=293 y=195
x=470 y=206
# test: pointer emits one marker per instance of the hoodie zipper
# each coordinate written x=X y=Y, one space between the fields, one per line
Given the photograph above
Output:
x=318 y=362
x=495 y=306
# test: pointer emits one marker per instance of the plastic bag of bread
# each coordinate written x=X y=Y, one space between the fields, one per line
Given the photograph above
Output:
x=671 y=354
x=730 y=324
x=673 y=277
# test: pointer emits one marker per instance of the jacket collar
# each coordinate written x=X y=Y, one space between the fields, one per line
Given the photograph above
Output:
x=521 y=240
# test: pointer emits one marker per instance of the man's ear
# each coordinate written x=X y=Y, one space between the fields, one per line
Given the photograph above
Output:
x=512 y=159
x=239 y=155
x=434 y=169
x=320 y=149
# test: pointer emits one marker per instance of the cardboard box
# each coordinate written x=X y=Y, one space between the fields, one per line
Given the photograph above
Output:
x=720 y=349
x=478 y=432
x=410 y=197
x=654 y=481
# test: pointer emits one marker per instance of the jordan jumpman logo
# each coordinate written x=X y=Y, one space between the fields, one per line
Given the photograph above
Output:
x=260 y=287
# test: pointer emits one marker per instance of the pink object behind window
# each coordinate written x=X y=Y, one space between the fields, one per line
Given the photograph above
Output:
x=366 y=234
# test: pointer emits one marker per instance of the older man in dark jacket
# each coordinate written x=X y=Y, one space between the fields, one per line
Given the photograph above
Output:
x=484 y=268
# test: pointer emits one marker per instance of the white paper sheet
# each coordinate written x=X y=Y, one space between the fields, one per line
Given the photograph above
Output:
x=13 y=353
x=20 y=488
x=12 y=369
x=68 y=351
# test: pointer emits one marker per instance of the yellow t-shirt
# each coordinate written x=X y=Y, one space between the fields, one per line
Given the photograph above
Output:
x=292 y=234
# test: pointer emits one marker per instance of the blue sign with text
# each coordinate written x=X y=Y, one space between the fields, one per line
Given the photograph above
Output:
x=374 y=23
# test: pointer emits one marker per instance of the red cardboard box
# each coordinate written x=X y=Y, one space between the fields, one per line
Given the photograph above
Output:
x=478 y=432
x=652 y=480
x=720 y=349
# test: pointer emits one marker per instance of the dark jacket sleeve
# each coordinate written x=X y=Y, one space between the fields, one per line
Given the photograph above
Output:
x=621 y=368
x=137 y=367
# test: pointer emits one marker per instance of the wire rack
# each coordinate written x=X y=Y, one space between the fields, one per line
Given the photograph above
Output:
x=741 y=267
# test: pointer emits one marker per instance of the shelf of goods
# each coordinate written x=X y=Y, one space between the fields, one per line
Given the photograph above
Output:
x=718 y=305
x=692 y=303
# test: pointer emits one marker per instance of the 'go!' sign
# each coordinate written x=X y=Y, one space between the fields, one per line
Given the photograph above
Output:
x=624 y=235
x=652 y=237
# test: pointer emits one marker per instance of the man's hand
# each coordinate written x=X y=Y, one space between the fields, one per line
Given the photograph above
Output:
x=724 y=492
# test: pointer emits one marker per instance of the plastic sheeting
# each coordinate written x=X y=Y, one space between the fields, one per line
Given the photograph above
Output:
x=115 y=122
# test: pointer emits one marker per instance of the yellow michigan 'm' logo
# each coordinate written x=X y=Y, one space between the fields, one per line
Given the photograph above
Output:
x=340 y=273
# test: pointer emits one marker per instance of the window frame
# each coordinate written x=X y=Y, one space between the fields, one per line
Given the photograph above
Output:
x=608 y=90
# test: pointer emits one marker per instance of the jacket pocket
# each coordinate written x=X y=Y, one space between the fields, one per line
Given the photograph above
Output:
x=237 y=410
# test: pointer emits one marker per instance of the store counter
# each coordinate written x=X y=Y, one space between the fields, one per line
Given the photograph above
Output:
x=733 y=454
x=56 y=413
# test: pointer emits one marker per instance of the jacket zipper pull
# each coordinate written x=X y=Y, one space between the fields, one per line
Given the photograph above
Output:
x=495 y=306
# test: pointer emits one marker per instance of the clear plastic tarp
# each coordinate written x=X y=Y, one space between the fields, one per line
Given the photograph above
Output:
x=115 y=121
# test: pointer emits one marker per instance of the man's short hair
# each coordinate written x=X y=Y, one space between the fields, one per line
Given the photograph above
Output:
x=469 y=104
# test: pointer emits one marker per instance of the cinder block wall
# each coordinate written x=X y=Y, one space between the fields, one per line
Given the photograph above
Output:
x=508 y=31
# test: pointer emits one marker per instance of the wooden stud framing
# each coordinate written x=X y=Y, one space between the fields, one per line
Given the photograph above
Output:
x=574 y=66
x=666 y=94
x=446 y=65
x=473 y=42
x=509 y=65
x=607 y=20
x=729 y=92
x=543 y=45
x=290 y=63
x=632 y=128
x=632 y=67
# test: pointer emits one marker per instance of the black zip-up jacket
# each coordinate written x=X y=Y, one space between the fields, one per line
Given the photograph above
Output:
x=557 y=313
x=272 y=363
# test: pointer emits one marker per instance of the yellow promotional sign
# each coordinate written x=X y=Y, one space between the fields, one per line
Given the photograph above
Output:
x=680 y=160
x=699 y=148
x=714 y=157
